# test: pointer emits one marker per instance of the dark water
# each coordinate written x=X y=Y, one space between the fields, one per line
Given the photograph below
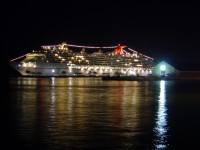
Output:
x=88 y=113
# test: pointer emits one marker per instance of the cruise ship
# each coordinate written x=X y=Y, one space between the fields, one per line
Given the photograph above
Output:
x=76 y=60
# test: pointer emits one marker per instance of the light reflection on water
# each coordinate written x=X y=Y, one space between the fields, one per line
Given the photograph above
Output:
x=87 y=113
x=161 y=127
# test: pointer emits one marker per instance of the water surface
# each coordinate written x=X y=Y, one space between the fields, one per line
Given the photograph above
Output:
x=88 y=113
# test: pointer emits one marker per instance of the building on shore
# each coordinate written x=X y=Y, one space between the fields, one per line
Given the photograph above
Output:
x=164 y=69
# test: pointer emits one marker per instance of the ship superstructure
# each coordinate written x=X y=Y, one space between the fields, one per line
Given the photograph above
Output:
x=61 y=60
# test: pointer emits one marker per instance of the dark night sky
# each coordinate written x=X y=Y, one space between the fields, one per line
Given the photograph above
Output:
x=164 y=31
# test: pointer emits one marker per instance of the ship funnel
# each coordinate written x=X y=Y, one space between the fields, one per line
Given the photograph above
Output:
x=119 y=49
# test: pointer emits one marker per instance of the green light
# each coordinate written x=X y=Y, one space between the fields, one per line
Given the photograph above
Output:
x=162 y=67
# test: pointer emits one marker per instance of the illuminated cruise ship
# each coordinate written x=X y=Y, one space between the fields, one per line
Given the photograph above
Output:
x=75 y=60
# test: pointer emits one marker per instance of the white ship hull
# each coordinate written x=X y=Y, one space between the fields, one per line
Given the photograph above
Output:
x=45 y=69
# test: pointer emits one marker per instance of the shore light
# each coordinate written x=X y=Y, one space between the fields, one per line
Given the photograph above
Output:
x=162 y=67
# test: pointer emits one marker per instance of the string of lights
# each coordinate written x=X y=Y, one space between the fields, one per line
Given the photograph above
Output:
x=79 y=46
x=140 y=53
x=19 y=57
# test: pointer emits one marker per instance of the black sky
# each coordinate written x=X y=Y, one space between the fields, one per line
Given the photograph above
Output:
x=164 y=31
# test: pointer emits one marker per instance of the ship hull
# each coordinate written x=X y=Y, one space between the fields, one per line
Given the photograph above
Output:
x=57 y=69
x=45 y=69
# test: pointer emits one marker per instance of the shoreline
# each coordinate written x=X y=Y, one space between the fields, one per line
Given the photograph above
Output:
x=113 y=78
x=134 y=78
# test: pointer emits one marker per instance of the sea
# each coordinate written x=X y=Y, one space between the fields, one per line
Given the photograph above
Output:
x=93 y=114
